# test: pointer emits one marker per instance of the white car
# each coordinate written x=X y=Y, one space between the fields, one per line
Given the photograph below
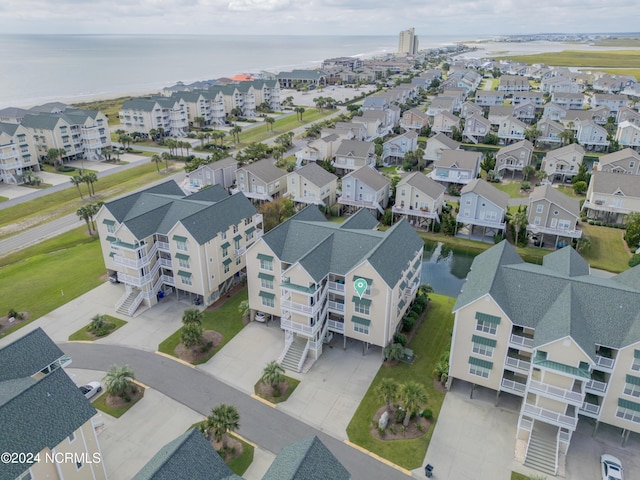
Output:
x=260 y=317
x=90 y=389
x=611 y=467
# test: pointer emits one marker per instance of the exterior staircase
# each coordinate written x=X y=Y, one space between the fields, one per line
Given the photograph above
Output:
x=293 y=356
x=543 y=445
x=124 y=308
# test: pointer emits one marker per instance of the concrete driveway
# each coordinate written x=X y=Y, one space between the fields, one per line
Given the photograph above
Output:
x=474 y=439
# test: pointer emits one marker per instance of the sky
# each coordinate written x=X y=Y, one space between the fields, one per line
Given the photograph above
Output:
x=317 y=17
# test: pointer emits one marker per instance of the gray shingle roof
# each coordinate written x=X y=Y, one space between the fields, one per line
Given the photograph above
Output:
x=316 y=174
x=204 y=214
x=606 y=182
x=625 y=154
x=446 y=141
x=322 y=247
x=307 y=459
x=559 y=297
x=464 y=160
x=264 y=170
x=423 y=183
x=355 y=148
x=515 y=146
x=370 y=177
x=28 y=355
x=361 y=220
x=188 y=456
x=571 y=205
x=488 y=191
x=9 y=128
x=45 y=122
x=35 y=414
x=572 y=148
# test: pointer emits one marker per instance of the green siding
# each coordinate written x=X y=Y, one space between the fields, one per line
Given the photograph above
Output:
x=360 y=320
x=363 y=301
x=483 y=341
x=480 y=363
x=629 y=404
x=633 y=380
x=485 y=317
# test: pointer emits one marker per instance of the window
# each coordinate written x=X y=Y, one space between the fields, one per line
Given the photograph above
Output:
x=635 y=366
x=268 y=299
x=632 y=386
x=480 y=368
x=468 y=201
x=487 y=323
x=493 y=216
x=225 y=251
x=238 y=260
x=183 y=262
x=266 y=262
x=358 y=328
x=361 y=308
x=223 y=236
x=564 y=224
x=235 y=229
x=185 y=280
x=402 y=192
x=226 y=268
x=540 y=209
x=536 y=221
x=111 y=228
x=628 y=410
x=483 y=346
x=181 y=242
x=265 y=283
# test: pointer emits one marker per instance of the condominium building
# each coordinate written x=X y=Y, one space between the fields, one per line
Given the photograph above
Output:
x=167 y=116
x=563 y=340
x=17 y=153
x=45 y=418
x=408 y=42
x=159 y=241
x=303 y=273
x=82 y=134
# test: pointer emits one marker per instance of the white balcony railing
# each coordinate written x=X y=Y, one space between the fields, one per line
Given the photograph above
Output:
x=337 y=306
x=165 y=262
x=596 y=386
x=605 y=362
x=336 y=286
x=590 y=409
x=557 y=392
x=414 y=212
x=518 y=364
x=168 y=280
x=480 y=222
x=240 y=251
x=306 y=330
x=336 y=326
x=163 y=246
x=521 y=341
x=513 y=386
x=550 y=416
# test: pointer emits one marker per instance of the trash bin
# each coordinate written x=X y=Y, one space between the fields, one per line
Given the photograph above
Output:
x=428 y=470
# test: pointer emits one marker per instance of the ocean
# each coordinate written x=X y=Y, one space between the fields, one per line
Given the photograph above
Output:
x=35 y=69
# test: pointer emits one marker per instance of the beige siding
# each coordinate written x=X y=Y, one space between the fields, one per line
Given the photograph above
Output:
x=615 y=390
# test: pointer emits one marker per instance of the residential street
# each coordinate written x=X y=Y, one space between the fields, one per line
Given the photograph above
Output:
x=268 y=427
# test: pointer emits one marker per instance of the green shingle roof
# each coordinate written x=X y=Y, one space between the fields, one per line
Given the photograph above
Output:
x=28 y=355
x=35 y=414
x=188 y=456
x=307 y=459
x=558 y=298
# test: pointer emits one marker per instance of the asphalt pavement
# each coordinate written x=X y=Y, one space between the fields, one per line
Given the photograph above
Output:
x=269 y=428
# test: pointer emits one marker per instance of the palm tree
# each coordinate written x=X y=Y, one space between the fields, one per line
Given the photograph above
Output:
x=441 y=370
x=153 y=134
x=582 y=244
x=413 y=396
x=191 y=335
x=156 y=158
x=92 y=210
x=527 y=171
x=192 y=316
x=269 y=121
x=541 y=175
x=235 y=132
x=166 y=156
x=273 y=374
x=223 y=418
x=77 y=181
x=243 y=308
x=84 y=213
x=119 y=380
x=91 y=178
x=387 y=390
x=519 y=221
x=394 y=351
x=199 y=120
x=299 y=111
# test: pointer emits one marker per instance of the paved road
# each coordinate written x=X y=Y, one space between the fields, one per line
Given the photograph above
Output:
x=270 y=428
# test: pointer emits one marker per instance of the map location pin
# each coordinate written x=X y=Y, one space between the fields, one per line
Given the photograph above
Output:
x=360 y=286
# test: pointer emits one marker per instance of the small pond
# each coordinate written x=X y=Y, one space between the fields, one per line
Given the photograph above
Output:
x=445 y=268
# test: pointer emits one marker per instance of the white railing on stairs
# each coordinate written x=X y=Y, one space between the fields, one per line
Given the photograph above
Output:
x=287 y=343
x=123 y=299
x=303 y=357
x=136 y=303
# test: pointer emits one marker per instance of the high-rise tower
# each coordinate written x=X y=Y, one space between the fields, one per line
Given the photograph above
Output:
x=408 y=42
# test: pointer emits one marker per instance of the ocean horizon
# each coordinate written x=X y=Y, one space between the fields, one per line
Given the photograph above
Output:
x=76 y=68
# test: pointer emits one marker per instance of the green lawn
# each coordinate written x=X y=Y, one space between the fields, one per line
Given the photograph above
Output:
x=44 y=209
x=3 y=199
x=519 y=476
x=83 y=333
x=583 y=58
x=41 y=278
x=101 y=404
x=109 y=107
x=240 y=464
x=618 y=42
x=225 y=320
x=430 y=342
x=607 y=249
x=281 y=125
x=510 y=188
x=75 y=171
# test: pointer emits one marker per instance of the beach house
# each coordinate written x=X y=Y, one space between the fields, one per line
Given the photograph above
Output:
x=551 y=212
x=18 y=155
x=312 y=185
x=419 y=199
x=261 y=181
x=365 y=188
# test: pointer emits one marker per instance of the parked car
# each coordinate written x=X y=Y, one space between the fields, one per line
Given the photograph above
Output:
x=91 y=389
x=260 y=317
x=610 y=467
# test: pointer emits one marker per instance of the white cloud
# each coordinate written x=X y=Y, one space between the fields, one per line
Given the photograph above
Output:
x=252 y=5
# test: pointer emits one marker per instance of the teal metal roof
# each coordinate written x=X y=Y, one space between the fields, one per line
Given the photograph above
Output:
x=300 y=288
x=227 y=262
x=262 y=256
x=485 y=317
x=360 y=320
x=541 y=361
x=268 y=295
x=225 y=245
x=633 y=380
x=266 y=276
x=182 y=256
x=483 y=341
x=629 y=404
x=480 y=363
x=362 y=301
x=184 y=274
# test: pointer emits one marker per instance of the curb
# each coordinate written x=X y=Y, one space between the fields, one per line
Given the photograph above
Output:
x=89 y=342
x=174 y=359
x=240 y=437
x=379 y=458
x=262 y=400
x=140 y=384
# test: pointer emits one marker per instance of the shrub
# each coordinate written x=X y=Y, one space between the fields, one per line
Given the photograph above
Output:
x=408 y=323
x=100 y=326
x=635 y=260
x=15 y=314
x=525 y=185
x=398 y=415
x=400 y=338
x=426 y=413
